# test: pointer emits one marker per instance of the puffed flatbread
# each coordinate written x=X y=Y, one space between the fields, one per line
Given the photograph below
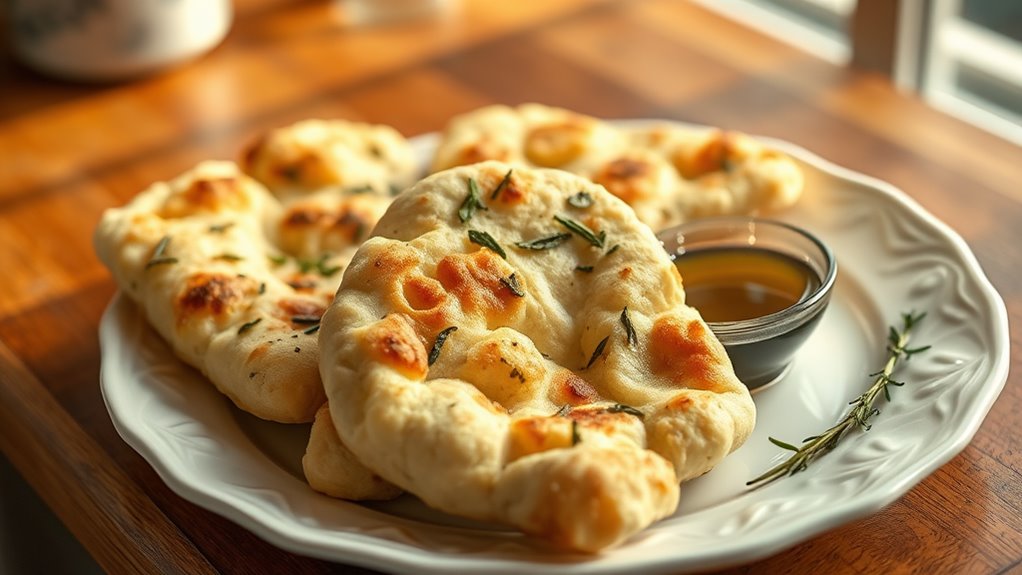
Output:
x=721 y=172
x=531 y=135
x=313 y=155
x=235 y=276
x=513 y=346
x=668 y=173
x=193 y=254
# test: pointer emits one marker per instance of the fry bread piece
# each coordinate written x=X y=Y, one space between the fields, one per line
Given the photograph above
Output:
x=514 y=346
x=668 y=173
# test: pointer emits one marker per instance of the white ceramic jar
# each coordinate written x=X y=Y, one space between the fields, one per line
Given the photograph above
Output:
x=104 y=40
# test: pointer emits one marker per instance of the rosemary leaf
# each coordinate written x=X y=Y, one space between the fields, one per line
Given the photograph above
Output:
x=311 y=330
x=587 y=269
x=159 y=262
x=563 y=411
x=220 y=228
x=356 y=190
x=622 y=408
x=512 y=284
x=545 y=243
x=438 y=344
x=304 y=319
x=782 y=444
x=597 y=352
x=500 y=187
x=229 y=257
x=161 y=247
x=158 y=254
x=325 y=270
x=247 y=326
x=582 y=231
x=575 y=437
x=486 y=240
x=633 y=340
x=472 y=202
x=858 y=416
x=581 y=200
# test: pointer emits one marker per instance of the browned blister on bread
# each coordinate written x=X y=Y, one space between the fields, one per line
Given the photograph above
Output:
x=517 y=348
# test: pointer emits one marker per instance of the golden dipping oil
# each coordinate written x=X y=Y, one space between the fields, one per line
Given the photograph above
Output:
x=737 y=283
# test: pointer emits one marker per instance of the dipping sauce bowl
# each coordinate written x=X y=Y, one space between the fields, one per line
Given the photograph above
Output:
x=761 y=286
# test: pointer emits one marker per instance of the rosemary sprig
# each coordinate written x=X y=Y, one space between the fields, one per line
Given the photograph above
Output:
x=582 y=231
x=486 y=240
x=473 y=201
x=862 y=408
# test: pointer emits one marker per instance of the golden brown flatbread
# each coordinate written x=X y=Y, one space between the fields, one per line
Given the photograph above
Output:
x=513 y=345
x=668 y=173
x=235 y=276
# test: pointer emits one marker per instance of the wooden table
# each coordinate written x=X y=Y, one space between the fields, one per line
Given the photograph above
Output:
x=69 y=151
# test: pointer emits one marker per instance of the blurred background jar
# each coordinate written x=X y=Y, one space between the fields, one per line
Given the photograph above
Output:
x=109 y=40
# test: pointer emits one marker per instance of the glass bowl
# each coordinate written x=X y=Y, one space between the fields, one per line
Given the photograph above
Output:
x=762 y=347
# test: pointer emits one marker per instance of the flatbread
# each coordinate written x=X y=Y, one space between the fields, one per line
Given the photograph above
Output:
x=235 y=276
x=668 y=173
x=564 y=390
x=332 y=469
x=721 y=172
x=192 y=253
x=530 y=135
x=313 y=155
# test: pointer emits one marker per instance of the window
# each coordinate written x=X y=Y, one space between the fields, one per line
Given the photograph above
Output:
x=973 y=67
x=963 y=56
x=818 y=26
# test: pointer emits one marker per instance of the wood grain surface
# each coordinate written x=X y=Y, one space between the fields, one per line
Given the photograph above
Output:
x=68 y=151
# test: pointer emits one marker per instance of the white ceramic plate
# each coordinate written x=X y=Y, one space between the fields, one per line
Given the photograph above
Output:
x=894 y=257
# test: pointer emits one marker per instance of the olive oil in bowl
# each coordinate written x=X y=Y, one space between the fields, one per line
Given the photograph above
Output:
x=737 y=283
x=761 y=286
